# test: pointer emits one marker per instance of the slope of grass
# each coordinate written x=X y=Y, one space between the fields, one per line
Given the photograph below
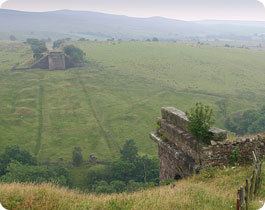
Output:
x=119 y=94
x=210 y=190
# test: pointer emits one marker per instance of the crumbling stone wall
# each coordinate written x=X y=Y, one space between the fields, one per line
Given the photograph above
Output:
x=43 y=63
x=55 y=60
x=181 y=154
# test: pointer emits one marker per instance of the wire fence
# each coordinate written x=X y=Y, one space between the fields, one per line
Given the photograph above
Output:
x=252 y=186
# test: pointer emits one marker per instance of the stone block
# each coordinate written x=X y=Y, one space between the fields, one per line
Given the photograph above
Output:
x=175 y=117
x=218 y=134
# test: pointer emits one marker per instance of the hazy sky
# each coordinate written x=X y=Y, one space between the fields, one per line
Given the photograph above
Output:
x=178 y=9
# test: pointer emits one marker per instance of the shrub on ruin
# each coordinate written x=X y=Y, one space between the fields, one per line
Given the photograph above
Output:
x=38 y=48
x=200 y=121
x=75 y=53
x=58 y=43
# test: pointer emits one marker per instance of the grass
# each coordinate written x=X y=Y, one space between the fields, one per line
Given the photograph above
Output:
x=119 y=94
x=210 y=190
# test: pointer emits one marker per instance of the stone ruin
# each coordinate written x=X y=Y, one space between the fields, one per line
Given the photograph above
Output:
x=181 y=155
x=55 y=60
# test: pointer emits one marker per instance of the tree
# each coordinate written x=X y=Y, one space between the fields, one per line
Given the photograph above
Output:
x=17 y=172
x=14 y=153
x=76 y=54
x=155 y=39
x=38 y=47
x=249 y=121
x=58 y=43
x=77 y=156
x=129 y=151
x=12 y=38
x=118 y=186
x=200 y=121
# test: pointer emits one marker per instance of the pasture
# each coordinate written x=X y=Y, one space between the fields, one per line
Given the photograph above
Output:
x=118 y=95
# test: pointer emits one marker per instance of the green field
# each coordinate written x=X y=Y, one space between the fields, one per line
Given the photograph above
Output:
x=119 y=94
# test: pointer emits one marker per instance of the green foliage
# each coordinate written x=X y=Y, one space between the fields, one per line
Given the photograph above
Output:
x=233 y=159
x=58 y=43
x=17 y=172
x=167 y=182
x=38 y=47
x=128 y=173
x=75 y=53
x=14 y=153
x=97 y=174
x=77 y=156
x=249 y=121
x=200 y=121
x=129 y=152
x=18 y=165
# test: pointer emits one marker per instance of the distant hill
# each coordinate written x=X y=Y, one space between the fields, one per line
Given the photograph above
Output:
x=66 y=23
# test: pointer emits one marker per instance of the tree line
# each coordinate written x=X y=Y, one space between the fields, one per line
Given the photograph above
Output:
x=129 y=172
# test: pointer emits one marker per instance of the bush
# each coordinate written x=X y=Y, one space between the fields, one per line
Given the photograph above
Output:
x=129 y=172
x=58 y=43
x=129 y=151
x=200 y=121
x=38 y=47
x=103 y=187
x=17 y=172
x=76 y=54
x=249 y=121
x=14 y=153
x=77 y=156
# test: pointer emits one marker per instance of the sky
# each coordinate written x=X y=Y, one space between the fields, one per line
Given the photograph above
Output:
x=176 y=9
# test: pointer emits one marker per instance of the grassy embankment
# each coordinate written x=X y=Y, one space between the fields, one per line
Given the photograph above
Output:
x=210 y=190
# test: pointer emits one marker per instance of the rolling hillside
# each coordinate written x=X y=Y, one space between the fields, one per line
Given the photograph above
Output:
x=93 y=25
x=119 y=94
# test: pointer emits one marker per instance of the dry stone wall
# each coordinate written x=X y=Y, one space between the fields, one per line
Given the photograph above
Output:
x=181 y=154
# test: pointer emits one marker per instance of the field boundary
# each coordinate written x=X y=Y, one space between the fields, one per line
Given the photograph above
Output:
x=252 y=186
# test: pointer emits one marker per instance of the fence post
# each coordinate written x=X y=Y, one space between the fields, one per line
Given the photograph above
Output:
x=247 y=194
x=252 y=185
x=238 y=203
x=242 y=197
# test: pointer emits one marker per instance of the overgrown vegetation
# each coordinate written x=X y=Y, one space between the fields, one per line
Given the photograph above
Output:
x=18 y=165
x=75 y=53
x=247 y=122
x=200 y=121
x=129 y=173
x=38 y=47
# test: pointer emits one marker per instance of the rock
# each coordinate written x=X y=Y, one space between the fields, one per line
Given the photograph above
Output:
x=213 y=143
x=218 y=134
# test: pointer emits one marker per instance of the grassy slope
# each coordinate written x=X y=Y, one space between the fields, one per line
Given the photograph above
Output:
x=119 y=95
x=204 y=192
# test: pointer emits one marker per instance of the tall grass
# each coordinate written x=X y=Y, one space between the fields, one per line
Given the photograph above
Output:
x=211 y=190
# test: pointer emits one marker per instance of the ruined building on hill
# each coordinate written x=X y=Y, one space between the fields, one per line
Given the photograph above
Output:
x=181 y=155
x=55 y=60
